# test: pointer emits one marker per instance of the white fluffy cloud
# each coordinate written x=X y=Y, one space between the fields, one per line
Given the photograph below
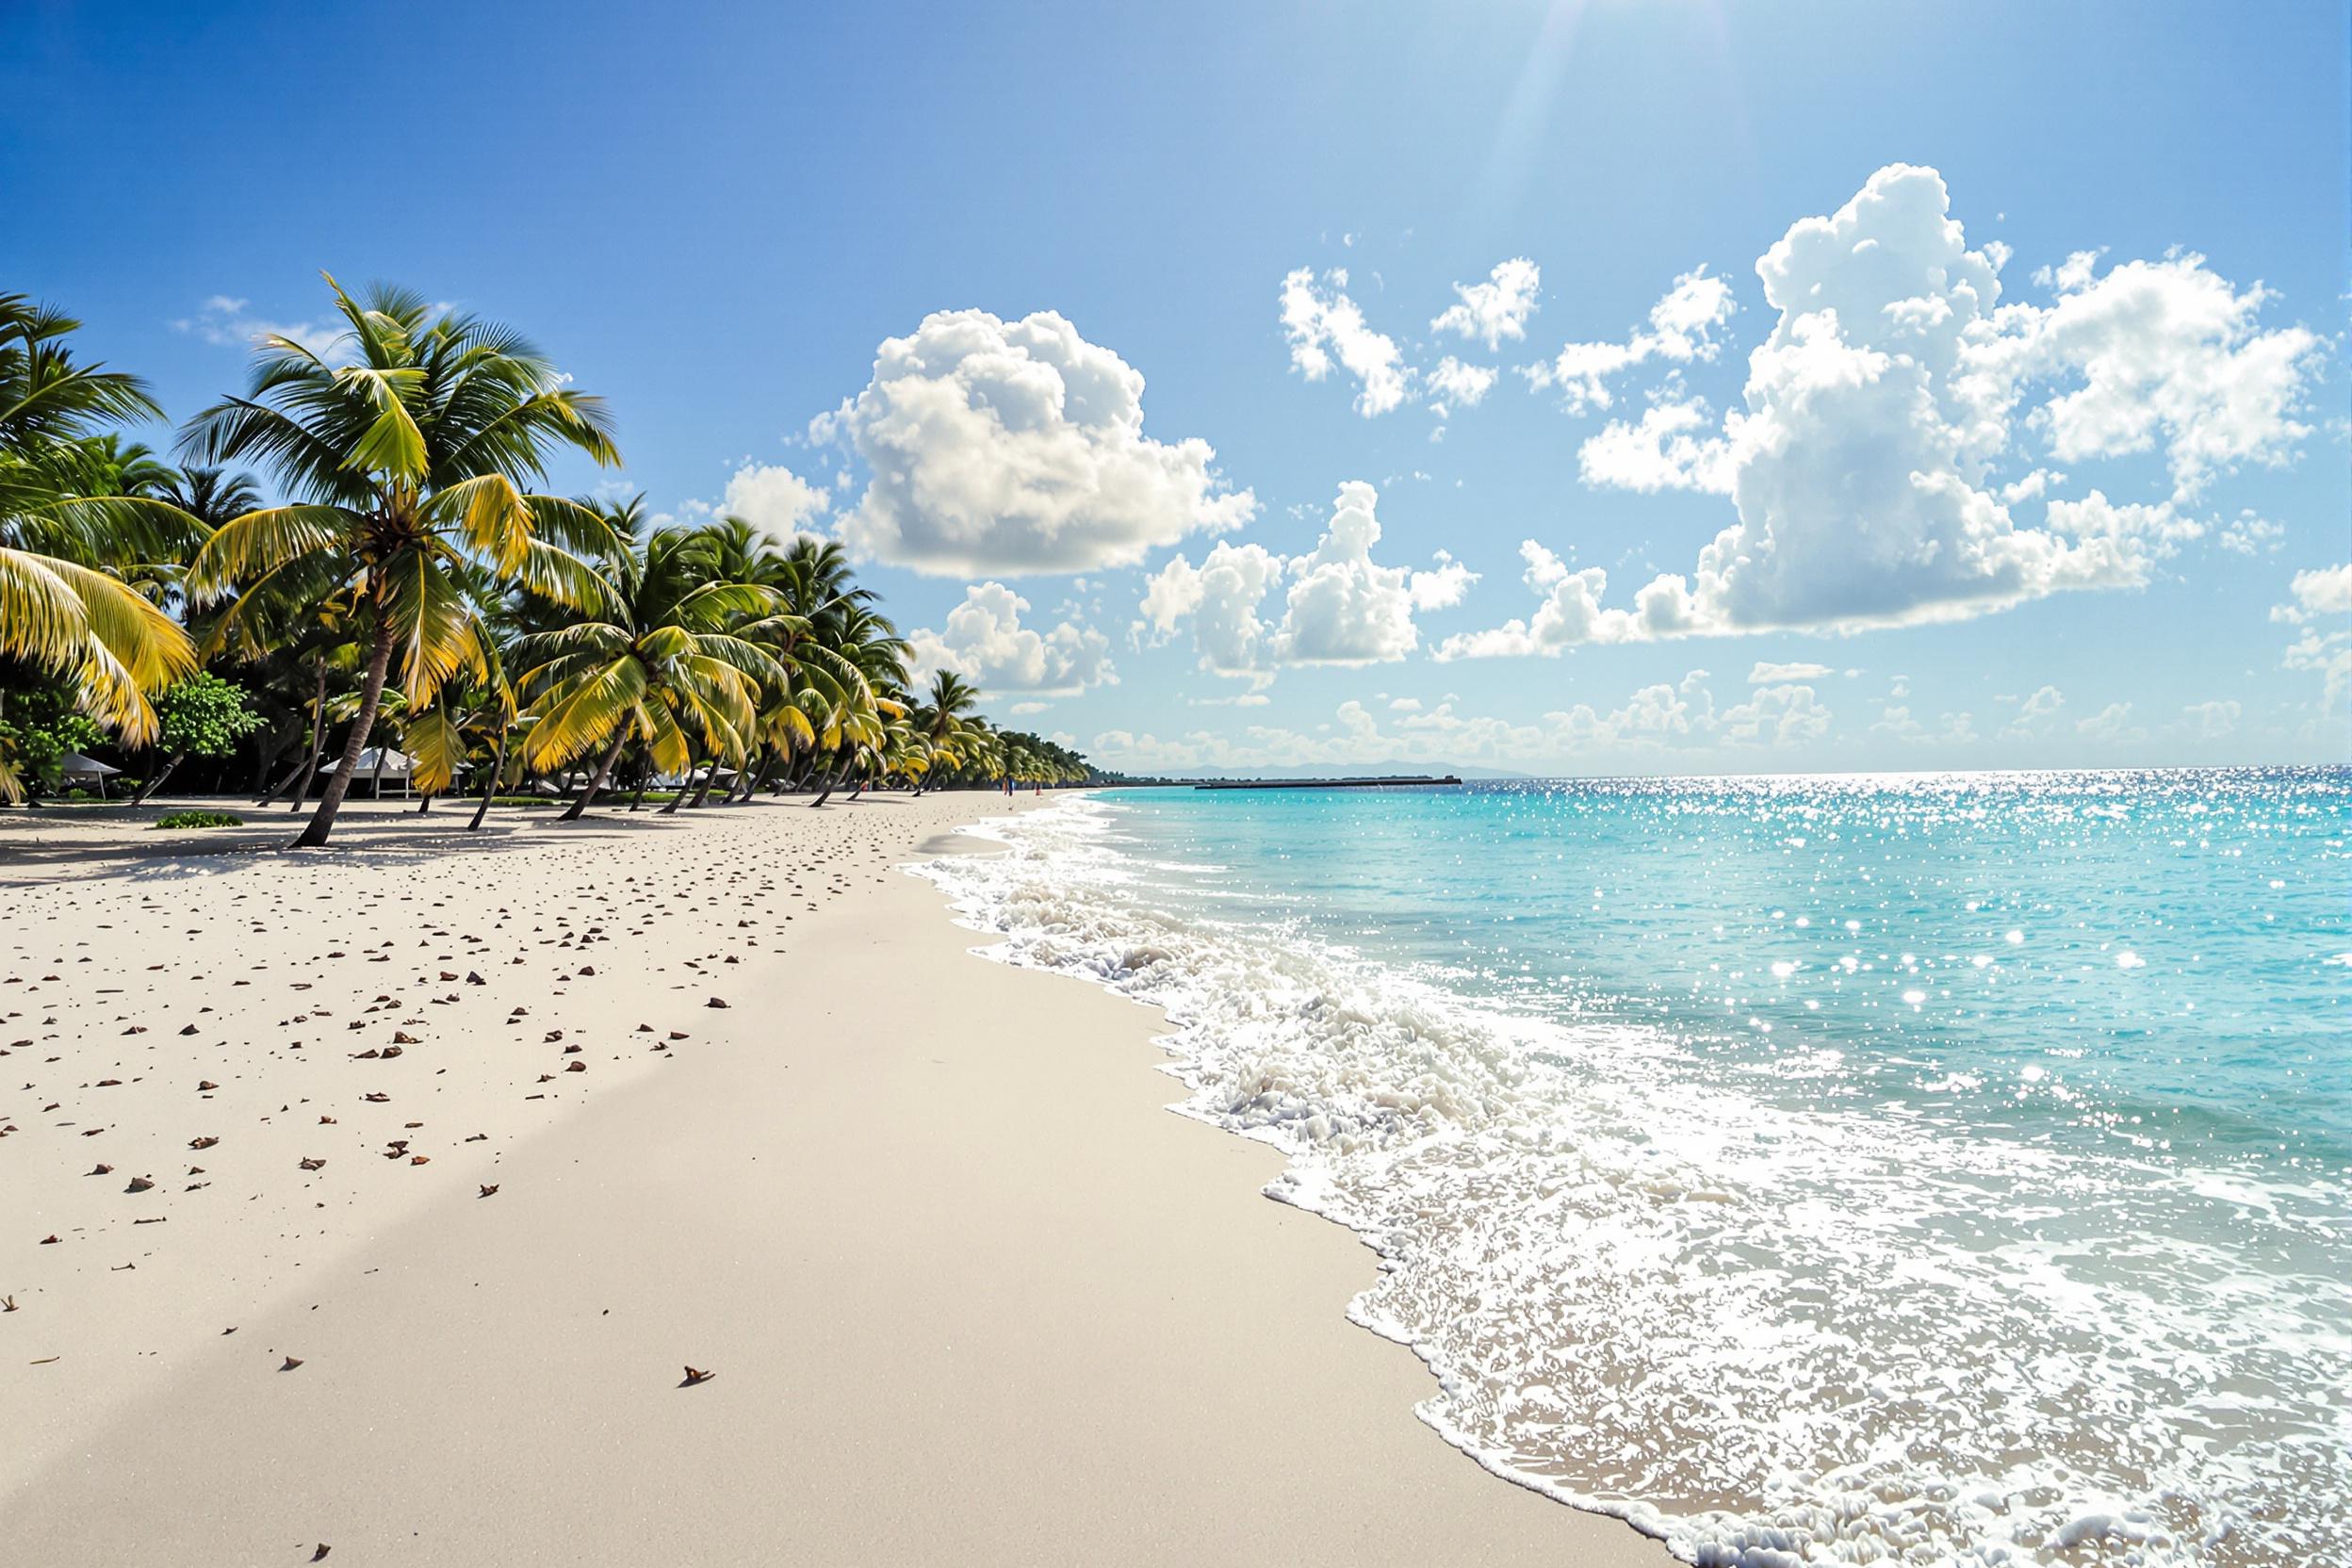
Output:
x=1340 y=606
x=2249 y=533
x=1682 y=329
x=1220 y=597
x=1777 y=716
x=2044 y=704
x=2111 y=725
x=1454 y=384
x=2314 y=599
x=1768 y=674
x=1671 y=447
x=1892 y=387
x=1952 y=729
x=773 y=500
x=1656 y=715
x=1571 y=613
x=1015 y=446
x=1327 y=331
x=985 y=641
x=2154 y=352
x=1495 y=309
x=2036 y=713
x=2322 y=591
x=1325 y=327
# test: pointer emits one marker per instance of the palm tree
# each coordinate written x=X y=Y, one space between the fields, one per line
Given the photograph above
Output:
x=837 y=650
x=112 y=467
x=667 y=667
x=211 y=495
x=853 y=718
x=408 y=463
x=62 y=525
x=944 y=719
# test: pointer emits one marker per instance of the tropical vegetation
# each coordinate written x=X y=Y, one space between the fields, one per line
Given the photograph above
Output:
x=360 y=558
x=200 y=819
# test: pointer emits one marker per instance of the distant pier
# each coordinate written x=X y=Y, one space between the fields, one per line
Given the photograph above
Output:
x=1323 y=783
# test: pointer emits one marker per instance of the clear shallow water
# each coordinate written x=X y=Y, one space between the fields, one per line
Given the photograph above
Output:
x=1928 y=1170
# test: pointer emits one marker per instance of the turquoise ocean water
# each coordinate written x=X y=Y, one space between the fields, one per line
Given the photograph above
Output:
x=1933 y=1168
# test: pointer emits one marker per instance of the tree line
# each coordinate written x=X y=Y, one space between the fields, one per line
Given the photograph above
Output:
x=412 y=587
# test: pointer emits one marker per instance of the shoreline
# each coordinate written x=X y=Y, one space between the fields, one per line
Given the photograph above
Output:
x=964 y=1293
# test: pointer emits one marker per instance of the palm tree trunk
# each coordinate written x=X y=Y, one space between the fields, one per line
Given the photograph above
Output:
x=370 y=695
x=424 y=805
x=734 y=790
x=595 y=780
x=709 y=779
x=498 y=771
x=753 y=787
x=831 y=780
x=671 y=809
x=155 y=783
x=299 y=779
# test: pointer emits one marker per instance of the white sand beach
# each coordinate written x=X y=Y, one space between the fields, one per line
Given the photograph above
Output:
x=967 y=1292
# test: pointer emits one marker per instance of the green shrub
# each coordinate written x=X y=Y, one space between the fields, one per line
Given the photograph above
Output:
x=200 y=819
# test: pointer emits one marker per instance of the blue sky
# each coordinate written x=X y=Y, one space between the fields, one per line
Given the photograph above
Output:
x=1933 y=498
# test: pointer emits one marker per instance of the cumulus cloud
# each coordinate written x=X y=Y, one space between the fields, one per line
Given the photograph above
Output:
x=1777 y=716
x=2043 y=704
x=1326 y=327
x=1003 y=448
x=1454 y=384
x=2314 y=599
x=2036 y=713
x=2109 y=725
x=1340 y=607
x=1571 y=613
x=1682 y=329
x=1327 y=331
x=1768 y=674
x=1653 y=716
x=773 y=500
x=1671 y=447
x=1495 y=309
x=2249 y=533
x=1345 y=608
x=983 y=640
x=1952 y=729
x=2321 y=590
x=1861 y=465
x=1221 y=598
x=2160 y=352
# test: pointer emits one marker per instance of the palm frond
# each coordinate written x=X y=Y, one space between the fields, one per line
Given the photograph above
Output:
x=259 y=542
x=440 y=630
